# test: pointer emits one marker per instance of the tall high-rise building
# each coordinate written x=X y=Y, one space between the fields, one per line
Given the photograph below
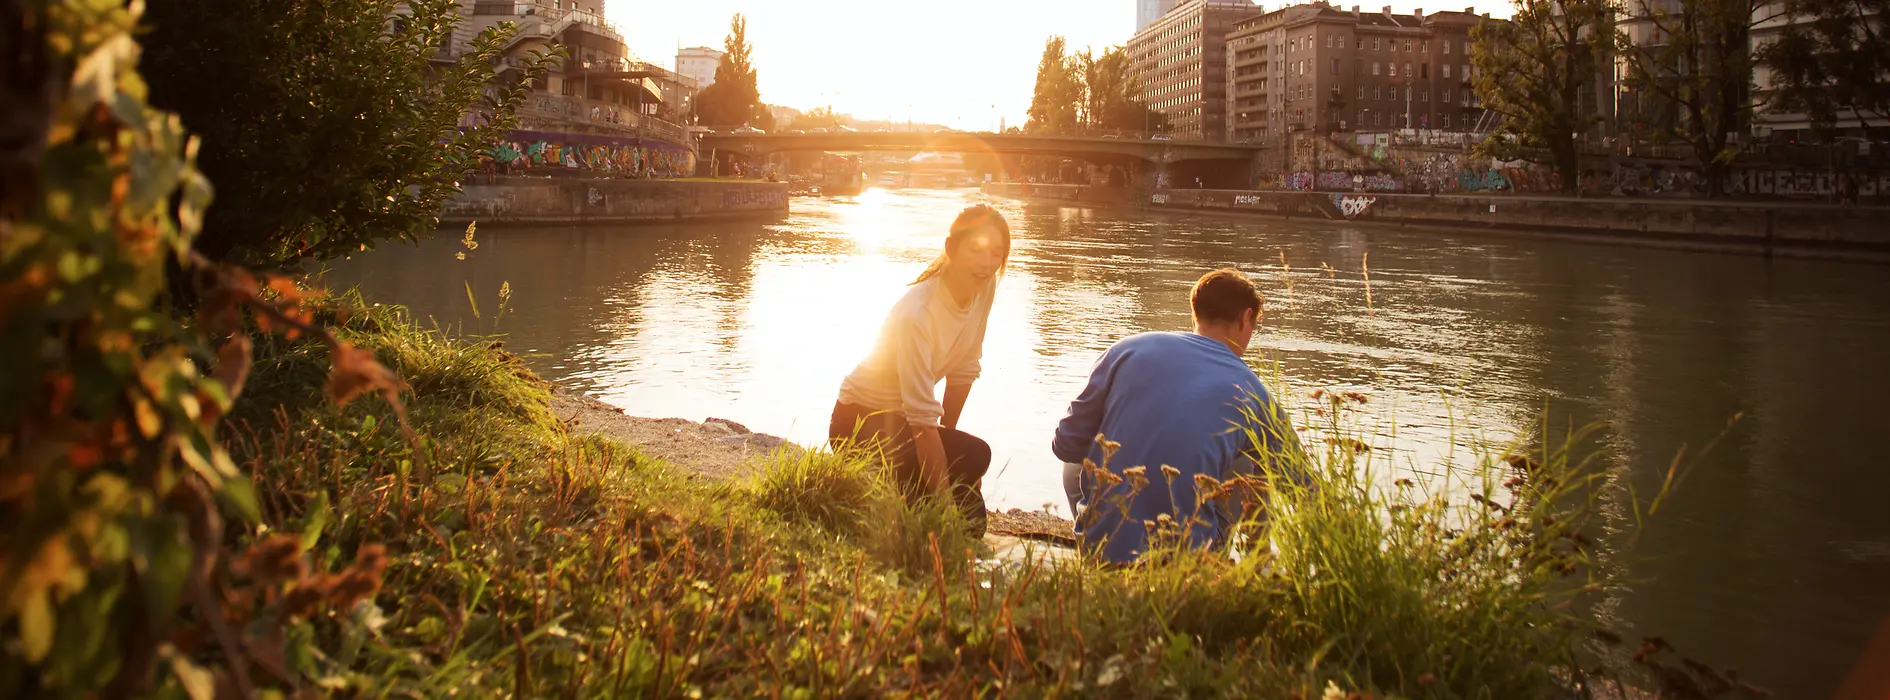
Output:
x=1147 y=11
x=1316 y=67
x=1182 y=67
x=699 y=62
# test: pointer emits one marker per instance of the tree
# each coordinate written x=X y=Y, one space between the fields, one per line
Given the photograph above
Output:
x=1057 y=99
x=1830 y=60
x=1690 y=72
x=117 y=487
x=1532 y=72
x=735 y=96
x=326 y=126
x=817 y=118
x=1113 y=94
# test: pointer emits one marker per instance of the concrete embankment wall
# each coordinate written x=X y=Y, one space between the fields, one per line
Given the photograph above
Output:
x=1862 y=233
x=528 y=200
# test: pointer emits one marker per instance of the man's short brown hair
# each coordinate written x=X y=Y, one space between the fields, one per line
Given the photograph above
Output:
x=1222 y=295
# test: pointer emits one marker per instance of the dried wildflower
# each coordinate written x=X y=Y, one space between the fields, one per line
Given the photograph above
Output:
x=1513 y=483
x=1318 y=394
x=1523 y=463
x=1403 y=483
x=1354 y=397
x=1109 y=447
x=1205 y=484
x=1137 y=476
x=278 y=558
x=1170 y=473
x=361 y=580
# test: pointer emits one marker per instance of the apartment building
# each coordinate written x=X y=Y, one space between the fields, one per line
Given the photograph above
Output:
x=1316 y=67
x=1182 y=68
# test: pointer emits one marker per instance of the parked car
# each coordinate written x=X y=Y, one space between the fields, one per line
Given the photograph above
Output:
x=844 y=129
x=817 y=130
x=746 y=129
x=1160 y=137
x=946 y=131
x=794 y=131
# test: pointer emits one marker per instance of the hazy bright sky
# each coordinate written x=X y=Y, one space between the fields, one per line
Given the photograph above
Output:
x=962 y=63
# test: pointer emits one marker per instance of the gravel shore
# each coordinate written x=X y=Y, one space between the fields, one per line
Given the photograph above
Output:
x=721 y=449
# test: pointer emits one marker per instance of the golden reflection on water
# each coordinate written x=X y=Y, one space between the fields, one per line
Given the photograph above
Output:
x=1466 y=342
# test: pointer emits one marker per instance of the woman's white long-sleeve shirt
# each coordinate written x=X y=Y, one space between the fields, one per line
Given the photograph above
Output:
x=927 y=337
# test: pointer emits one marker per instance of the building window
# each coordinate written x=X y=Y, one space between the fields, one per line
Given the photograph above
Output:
x=1446 y=71
x=1378 y=92
x=1375 y=66
x=1341 y=41
x=1394 y=70
x=1443 y=120
x=1407 y=70
x=1466 y=71
x=1328 y=41
x=1446 y=96
x=1424 y=95
x=1446 y=49
x=1407 y=44
x=1361 y=92
x=1374 y=43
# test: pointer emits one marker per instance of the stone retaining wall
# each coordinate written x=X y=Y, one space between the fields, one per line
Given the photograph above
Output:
x=1829 y=231
x=528 y=200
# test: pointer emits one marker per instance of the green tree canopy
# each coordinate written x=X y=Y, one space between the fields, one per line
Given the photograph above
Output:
x=817 y=118
x=1690 y=75
x=1532 y=71
x=1113 y=94
x=1058 y=98
x=1087 y=91
x=327 y=125
x=1831 y=59
x=735 y=96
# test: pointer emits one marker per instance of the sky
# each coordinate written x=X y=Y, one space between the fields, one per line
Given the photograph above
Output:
x=963 y=63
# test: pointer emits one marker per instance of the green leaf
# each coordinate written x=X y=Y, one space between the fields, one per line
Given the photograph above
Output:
x=36 y=625
x=161 y=556
x=319 y=515
x=240 y=496
x=200 y=683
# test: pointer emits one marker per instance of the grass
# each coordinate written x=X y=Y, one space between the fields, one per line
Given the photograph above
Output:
x=531 y=562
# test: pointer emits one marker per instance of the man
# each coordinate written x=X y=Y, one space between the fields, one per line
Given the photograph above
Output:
x=1173 y=406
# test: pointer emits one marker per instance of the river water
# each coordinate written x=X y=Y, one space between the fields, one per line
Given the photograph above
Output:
x=1773 y=557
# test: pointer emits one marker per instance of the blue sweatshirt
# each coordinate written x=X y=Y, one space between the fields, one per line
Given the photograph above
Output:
x=1176 y=399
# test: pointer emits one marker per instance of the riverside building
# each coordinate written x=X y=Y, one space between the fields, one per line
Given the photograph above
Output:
x=1316 y=67
x=1181 y=66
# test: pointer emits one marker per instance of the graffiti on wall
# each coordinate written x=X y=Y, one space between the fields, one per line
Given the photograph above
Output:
x=607 y=156
x=754 y=197
x=1343 y=181
x=1352 y=206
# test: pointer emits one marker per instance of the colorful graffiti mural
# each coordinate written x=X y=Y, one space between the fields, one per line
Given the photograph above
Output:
x=1352 y=206
x=652 y=159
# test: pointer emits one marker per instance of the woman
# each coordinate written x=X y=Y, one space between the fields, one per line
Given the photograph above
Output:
x=934 y=332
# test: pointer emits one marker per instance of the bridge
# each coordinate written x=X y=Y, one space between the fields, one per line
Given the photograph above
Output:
x=1089 y=148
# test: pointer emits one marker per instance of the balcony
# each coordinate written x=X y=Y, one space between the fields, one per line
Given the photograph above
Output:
x=538 y=19
x=620 y=119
